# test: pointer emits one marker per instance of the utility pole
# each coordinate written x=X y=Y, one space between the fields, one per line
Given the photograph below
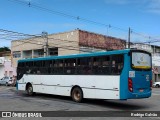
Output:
x=45 y=37
x=129 y=37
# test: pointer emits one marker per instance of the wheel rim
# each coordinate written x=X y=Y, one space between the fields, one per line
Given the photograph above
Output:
x=77 y=95
x=30 y=90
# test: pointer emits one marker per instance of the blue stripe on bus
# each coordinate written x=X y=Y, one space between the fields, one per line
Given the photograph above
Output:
x=124 y=78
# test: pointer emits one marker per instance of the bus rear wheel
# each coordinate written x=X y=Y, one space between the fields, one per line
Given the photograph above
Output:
x=30 y=90
x=77 y=94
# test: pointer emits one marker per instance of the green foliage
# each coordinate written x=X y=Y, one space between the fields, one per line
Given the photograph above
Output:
x=2 y=49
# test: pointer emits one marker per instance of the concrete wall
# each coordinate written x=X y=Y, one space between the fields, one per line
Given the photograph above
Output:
x=67 y=43
x=1 y=67
x=100 y=41
x=156 y=68
x=1 y=71
x=9 y=70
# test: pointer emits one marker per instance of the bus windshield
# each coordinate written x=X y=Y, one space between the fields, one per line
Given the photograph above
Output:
x=141 y=60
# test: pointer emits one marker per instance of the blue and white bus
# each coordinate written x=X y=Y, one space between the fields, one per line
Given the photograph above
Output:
x=121 y=74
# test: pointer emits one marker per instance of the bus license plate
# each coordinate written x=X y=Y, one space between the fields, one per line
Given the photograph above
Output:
x=141 y=90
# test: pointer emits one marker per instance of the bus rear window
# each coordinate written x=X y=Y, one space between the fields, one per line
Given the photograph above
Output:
x=141 y=60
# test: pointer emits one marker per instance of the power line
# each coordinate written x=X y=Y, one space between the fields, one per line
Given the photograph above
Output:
x=9 y=35
x=66 y=47
x=26 y=40
x=151 y=39
x=66 y=15
x=30 y=40
x=12 y=32
x=74 y=17
x=63 y=47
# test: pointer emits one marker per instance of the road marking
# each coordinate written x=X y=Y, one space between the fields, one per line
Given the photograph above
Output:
x=8 y=88
x=155 y=94
x=1 y=88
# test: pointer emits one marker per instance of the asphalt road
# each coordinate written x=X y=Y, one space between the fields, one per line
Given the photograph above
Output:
x=11 y=100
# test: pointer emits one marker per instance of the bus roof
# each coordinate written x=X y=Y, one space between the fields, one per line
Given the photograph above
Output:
x=78 y=55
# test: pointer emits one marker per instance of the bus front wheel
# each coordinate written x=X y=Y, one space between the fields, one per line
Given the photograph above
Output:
x=77 y=94
x=30 y=90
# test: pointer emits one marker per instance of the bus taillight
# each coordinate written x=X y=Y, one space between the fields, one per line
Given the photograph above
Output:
x=130 y=85
x=151 y=84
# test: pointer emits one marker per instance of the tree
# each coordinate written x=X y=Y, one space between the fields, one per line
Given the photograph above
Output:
x=2 y=49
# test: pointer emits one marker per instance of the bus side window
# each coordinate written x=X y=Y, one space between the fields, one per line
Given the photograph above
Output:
x=21 y=64
x=96 y=69
x=53 y=67
x=117 y=64
x=27 y=68
x=106 y=65
x=84 y=66
x=37 y=67
x=59 y=68
x=20 y=70
x=70 y=66
x=46 y=66
x=49 y=65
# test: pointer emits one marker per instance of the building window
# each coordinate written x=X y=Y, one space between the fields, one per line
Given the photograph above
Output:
x=89 y=49
x=53 y=51
x=70 y=66
x=10 y=73
x=17 y=54
x=84 y=65
x=5 y=74
x=40 y=53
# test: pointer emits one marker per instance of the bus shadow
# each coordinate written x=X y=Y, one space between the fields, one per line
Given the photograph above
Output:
x=123 y=105
x=112 y=104
x=48 y=97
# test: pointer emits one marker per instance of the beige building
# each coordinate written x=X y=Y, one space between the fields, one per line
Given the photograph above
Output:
x=72 y=42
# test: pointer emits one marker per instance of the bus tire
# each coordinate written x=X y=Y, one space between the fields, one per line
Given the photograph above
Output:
x=157 y=86
x=77 y=94
x=30 y=90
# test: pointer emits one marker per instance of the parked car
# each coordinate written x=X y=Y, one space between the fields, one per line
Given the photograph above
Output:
x=156 y=84
x=5 y=80
x=12 y=82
